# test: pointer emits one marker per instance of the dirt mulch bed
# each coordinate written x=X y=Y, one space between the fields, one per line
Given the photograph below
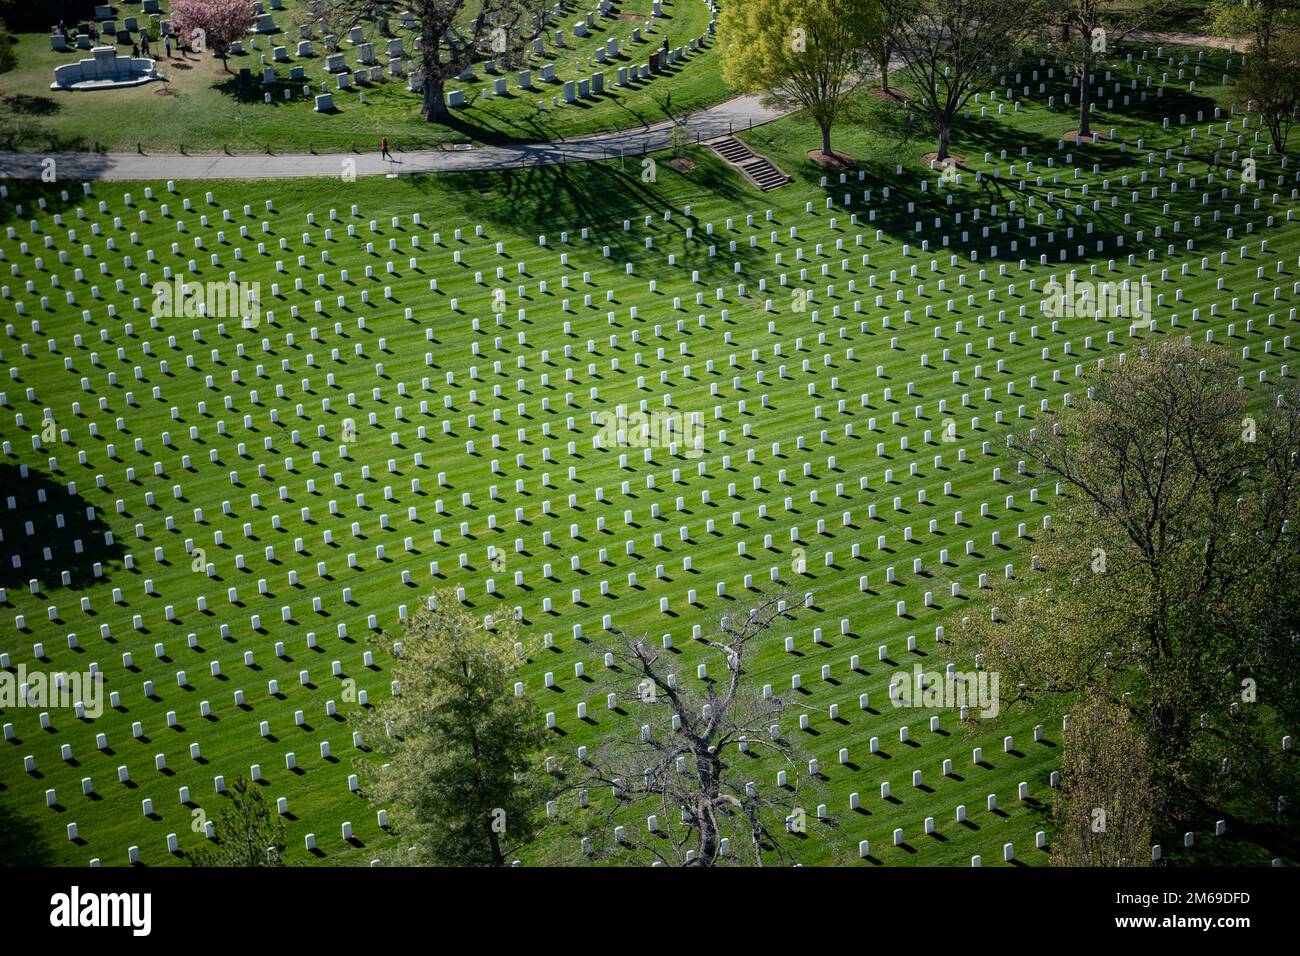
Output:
x=889 y=96
x=681 y=164
x=959 y=161
x=1073 y=136
x=635 y=17
x=836 y=160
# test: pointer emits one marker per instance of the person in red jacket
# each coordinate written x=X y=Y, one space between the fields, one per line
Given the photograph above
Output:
x=383 y=149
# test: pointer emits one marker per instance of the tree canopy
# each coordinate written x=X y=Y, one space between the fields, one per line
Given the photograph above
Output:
x=460 y=748
x=811 y=54
x=247 y=832
x=1170 y=580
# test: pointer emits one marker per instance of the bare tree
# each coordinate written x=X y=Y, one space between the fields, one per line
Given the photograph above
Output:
x=951 y=48
x=880 y=46
x=447 y=36
x=704 y=759
x=1099 y=26
x=1270 y=86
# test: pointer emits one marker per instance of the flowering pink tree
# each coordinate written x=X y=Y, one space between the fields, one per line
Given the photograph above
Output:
x=213 y=24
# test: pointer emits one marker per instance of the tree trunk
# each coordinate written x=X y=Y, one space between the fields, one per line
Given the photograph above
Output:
x=1085 y=104
x=826 y=139
x=884 y=68
x=707 y=846
x=945 y=130
x=434 y=108
x=707 y=772
x=1169 y=735
x=498 y=859
x=1274 y=122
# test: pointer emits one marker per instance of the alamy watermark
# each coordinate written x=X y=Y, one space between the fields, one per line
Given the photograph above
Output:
x=652 y=430
x=75 y=909
x=50 y=690
x=1098 y=300
x=221 y=300
x=932 y=690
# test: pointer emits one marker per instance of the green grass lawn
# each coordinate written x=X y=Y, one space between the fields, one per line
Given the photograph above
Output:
x=201 y=107
x=840 y=432
x=1182 y=16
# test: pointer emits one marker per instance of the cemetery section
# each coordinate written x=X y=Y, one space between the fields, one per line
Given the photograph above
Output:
x=214 y=512
x=587 y=67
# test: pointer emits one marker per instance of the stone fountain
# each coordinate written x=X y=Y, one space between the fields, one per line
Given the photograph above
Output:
x=105 y=70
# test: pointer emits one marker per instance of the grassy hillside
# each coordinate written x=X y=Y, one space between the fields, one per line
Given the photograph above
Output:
x=203 y=108
x=824 y=431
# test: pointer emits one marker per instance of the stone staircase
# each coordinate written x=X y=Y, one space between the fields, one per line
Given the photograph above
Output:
x=759 y=170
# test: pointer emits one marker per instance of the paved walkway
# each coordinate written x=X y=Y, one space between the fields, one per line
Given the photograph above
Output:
x=737 y=114
x=1188 y=39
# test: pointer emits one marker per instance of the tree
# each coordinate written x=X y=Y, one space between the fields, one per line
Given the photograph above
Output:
x=1259 y=20
x=7 y=55
x=680 y=138
x=447 y=36
x=1090 y=30
x=1103 y=805
x=247 y=832
x=213 y=24
x=951 y=48
x=1170 y=579
x=800 y=53
x=881 y=44
x=460 y=748
x=1270 y=85
x=687 y=758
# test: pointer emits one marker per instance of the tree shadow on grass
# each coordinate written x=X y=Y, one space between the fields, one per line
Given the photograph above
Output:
x=24 y=104
x=600 y=195
x=1252 y=838
x=22 y=134
x=21 y=841
x=62 y=542
x=250 y=92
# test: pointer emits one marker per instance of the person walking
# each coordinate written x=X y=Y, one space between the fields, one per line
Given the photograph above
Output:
x=383 y=149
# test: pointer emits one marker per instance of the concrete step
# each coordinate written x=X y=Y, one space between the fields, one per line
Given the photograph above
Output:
x=759 y=170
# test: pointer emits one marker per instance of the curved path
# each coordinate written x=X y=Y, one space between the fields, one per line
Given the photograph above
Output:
x=741 y=113
x=1187 y=39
